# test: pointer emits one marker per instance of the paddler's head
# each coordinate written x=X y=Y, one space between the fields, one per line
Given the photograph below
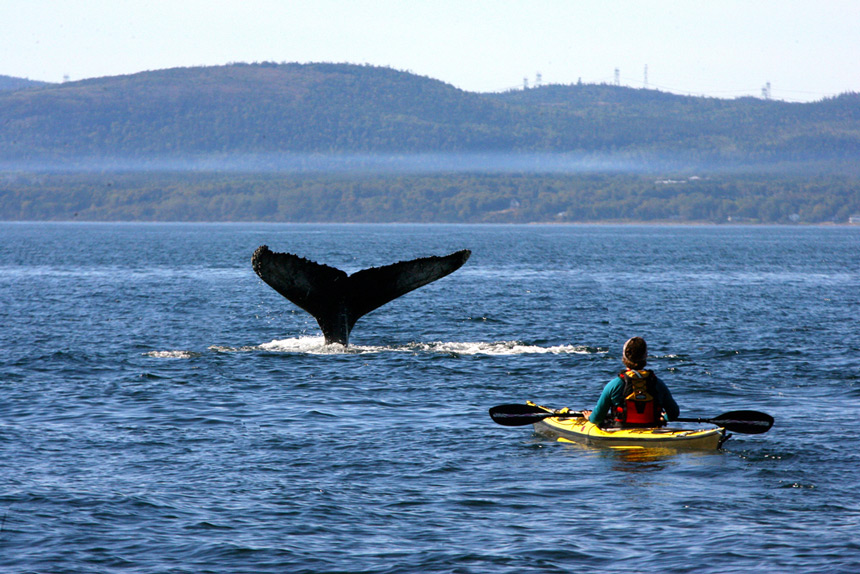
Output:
x=634 y=353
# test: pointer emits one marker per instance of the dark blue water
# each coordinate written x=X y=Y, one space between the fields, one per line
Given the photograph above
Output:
x=163 y=410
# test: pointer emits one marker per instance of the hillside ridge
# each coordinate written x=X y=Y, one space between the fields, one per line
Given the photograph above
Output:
x=345 y=108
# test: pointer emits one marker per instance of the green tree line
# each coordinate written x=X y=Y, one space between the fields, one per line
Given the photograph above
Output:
x=465 y=198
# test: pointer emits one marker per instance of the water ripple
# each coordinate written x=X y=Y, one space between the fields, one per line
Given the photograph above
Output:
x=164 y=418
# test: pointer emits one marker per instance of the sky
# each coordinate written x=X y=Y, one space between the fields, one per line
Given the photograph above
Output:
x=806 y=50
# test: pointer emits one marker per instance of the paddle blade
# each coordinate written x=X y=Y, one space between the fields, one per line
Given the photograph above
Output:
x=744 y=422
x=518 y=415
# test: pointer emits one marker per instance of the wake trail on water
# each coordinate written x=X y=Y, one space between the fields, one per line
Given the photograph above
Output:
x=318 y=346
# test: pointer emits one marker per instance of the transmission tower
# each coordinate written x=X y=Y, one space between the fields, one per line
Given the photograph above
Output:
x=646 y=75
x=617 y=77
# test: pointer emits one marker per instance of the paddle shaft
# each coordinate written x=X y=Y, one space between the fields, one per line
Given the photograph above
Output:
x=747 y=422
x=712 y=421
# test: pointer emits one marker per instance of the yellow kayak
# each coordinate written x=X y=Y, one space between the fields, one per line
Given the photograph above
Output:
x=579 y=430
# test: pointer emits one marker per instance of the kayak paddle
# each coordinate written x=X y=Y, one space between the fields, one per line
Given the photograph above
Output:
x=520 y=415
x=744 y=422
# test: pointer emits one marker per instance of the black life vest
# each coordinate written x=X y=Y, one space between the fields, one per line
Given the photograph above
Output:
x=640 y=407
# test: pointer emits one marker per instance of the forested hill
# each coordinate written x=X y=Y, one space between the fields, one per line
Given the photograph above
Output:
x=342 y=108
x=253 y=108
x=10 y=83
x=605 y=117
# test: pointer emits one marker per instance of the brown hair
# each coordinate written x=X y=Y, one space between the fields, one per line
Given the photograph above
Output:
x=635 y=352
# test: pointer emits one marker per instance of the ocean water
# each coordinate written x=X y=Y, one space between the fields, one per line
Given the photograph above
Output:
x=164 y=410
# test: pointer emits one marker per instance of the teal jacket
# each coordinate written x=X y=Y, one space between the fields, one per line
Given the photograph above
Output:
x=612 y=396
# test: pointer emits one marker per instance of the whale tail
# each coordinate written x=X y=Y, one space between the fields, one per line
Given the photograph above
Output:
x=337 y=300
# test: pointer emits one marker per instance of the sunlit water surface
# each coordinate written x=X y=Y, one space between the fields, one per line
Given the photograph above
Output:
x=163 y=410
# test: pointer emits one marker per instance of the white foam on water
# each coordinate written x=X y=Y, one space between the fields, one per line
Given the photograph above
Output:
x=500 y=348
x=172 y=354
x=317 y=346
x=309 y=345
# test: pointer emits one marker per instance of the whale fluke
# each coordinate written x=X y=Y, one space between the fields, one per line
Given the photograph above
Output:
x=337 y=300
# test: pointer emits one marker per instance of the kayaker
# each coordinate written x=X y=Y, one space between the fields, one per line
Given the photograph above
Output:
x=636 y=397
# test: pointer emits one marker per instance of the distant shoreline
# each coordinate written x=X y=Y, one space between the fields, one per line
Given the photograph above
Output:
x=592 y=198
x=607 y=223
